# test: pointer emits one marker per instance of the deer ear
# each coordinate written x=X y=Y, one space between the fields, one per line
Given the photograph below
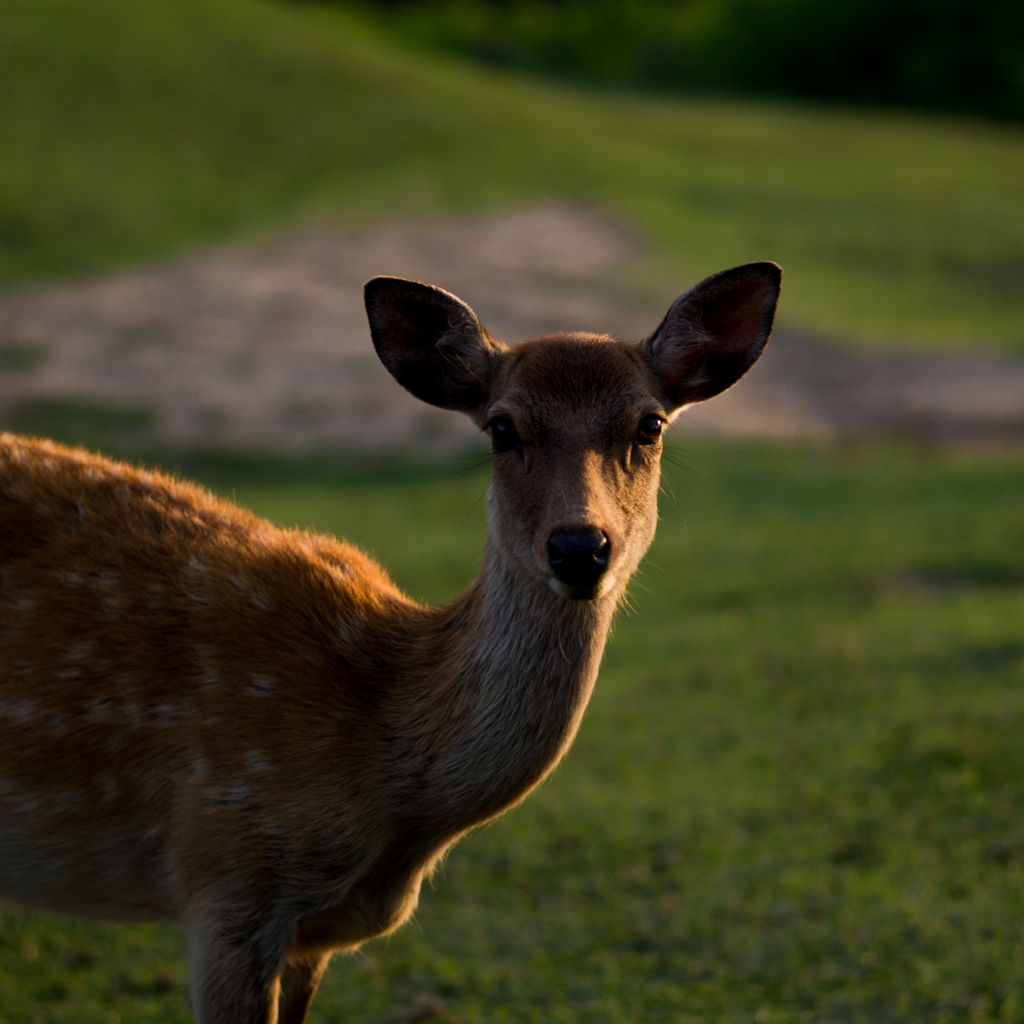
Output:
x=715 y=332
x=431 y=342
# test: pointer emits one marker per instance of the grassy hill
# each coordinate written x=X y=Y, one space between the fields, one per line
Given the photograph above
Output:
x=130 y=130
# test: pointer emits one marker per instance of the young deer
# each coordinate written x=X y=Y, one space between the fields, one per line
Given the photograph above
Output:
x=251 y=730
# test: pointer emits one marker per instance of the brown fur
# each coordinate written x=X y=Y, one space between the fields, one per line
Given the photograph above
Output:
x=251 y=730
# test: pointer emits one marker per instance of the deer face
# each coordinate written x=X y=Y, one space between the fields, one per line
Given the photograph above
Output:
x=575 y=420
x=576 y=432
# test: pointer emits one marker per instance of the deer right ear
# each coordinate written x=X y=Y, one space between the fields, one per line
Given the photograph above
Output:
x=714 y=333
x=431 y=342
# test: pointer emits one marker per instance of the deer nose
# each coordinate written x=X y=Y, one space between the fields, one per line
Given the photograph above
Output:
x=579 y=557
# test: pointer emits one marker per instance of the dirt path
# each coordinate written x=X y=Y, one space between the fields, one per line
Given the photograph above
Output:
x=266 y=345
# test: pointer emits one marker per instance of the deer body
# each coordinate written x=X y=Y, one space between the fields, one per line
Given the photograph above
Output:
x=250 y=730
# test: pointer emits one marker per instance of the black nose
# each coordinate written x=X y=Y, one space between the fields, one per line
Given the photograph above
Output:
x=579 y=557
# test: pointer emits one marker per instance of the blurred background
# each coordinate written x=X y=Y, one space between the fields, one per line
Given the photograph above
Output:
x=798 y=795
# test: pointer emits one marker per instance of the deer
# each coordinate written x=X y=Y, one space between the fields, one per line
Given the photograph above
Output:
x=251 y=731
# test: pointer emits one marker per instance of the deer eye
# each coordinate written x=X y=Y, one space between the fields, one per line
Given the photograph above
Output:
x=504 y=435
x=649 y=430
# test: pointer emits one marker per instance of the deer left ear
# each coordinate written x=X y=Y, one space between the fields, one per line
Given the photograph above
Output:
x=715 y=332
x=432 y=342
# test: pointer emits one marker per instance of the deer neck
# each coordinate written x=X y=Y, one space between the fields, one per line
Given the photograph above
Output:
x=516 y=681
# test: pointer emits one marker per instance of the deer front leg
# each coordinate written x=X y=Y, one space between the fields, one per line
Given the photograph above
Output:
x=299 y=982
x=234 y=972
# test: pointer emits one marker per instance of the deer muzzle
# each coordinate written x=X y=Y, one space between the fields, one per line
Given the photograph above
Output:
x=579 y=558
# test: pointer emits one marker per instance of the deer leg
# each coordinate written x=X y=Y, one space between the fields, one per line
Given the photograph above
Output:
x=299 y=982
x=234 y=974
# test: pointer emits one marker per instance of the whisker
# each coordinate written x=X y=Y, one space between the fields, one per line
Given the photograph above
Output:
x=469 y=511
x=471 y=461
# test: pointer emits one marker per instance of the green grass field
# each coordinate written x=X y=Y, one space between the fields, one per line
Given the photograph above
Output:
x=798 y=794
x=131 y=130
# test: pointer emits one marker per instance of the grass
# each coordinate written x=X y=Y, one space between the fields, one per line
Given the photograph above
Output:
x=134 y=130
x=798 y=794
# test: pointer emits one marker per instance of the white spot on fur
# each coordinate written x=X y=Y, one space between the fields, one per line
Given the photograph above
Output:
x=21 y=712
x=79 y=650
x=26 y=803
x=67 y=803
x=257 y=761
x=170 y=713
x=99 y=708
x=14 y=795
x=133 y=713
x=108 y=583
x=204 y=658
x=149 y=786
x=349 y=631
x=107 y=579
x=259 y=600
x=229 y=797
x=260 y=685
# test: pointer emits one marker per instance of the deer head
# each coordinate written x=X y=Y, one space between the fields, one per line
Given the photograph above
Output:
x=576 y=420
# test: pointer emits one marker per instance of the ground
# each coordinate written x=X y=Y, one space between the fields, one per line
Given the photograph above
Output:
x=263 y=344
